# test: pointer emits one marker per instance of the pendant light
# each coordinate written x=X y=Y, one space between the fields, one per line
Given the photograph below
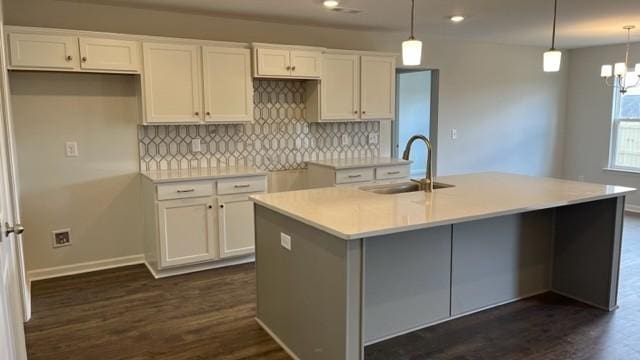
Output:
x=553 y=57
x=412 y=48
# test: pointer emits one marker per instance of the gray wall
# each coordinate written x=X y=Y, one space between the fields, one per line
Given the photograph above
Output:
x=414 y=106
x=588 y=125
x=509 y=114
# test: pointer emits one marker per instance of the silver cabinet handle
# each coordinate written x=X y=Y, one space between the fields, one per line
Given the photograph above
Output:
x=355 y=176
x=393 y=172
x=15 y=229
x=241 y=186
x=186 y=191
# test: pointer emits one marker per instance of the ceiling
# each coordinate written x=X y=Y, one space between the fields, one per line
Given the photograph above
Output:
x=526 y=22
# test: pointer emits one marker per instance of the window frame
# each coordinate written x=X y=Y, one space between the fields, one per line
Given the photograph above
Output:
x=615 y=125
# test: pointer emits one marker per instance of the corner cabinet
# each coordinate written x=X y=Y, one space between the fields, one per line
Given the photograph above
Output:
x=354 y=87
x=197 y=84
x=199 y=224
x=287 y=62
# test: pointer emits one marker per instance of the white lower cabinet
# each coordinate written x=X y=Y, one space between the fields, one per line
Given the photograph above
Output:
x=187 y=231
x=236 y=225
x=199 y=224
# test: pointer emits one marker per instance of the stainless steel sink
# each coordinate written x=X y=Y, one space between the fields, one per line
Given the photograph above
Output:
x=398 y=188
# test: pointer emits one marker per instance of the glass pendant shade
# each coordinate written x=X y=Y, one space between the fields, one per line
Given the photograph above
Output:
x=411 y=52
x=552 y=61
x=606 y=71
x=620 y=69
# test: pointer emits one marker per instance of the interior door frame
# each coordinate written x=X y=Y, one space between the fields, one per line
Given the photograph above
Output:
x=433 y=112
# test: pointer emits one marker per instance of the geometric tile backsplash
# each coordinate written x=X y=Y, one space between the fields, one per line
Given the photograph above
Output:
x=278 y=139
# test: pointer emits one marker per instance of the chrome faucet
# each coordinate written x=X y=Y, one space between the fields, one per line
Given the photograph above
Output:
x=426 y=184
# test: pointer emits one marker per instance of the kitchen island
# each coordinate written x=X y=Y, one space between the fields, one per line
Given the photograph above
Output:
x=341 y=268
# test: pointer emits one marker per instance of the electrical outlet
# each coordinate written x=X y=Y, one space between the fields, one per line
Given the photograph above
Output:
x=454 y=134
x=71 y=148
x=345 y=139
x=61 y=238
x=285 y=241
x=373 y=138
x=195 y=145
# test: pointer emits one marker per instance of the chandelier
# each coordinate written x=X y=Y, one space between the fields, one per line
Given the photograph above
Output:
x=619 y=71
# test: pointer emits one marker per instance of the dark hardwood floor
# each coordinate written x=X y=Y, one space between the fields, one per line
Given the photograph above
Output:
x=125 y=314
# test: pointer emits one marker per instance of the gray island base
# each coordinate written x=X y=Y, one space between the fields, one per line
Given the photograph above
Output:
x=334 y=292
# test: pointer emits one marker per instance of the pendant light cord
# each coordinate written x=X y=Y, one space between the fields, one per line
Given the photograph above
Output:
x=626 y=57
x=413 y=14
x=555 y=15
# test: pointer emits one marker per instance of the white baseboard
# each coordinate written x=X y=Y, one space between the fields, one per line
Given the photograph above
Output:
x=277 y=339
x=159 y=274
x=58 y=271
x=632 y=208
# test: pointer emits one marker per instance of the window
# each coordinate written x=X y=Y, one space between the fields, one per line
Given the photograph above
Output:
x=625 y=135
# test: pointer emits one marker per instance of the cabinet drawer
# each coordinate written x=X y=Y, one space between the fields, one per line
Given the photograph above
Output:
x=243 y=185
x=392 y=172
x=185 y=190
x=354 y=175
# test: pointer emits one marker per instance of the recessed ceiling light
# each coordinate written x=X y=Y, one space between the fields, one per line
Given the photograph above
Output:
x=456 y=18
x=330 y=3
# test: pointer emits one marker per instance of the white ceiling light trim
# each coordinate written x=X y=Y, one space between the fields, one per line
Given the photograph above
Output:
x=457 y=18
x=412 y=48
x=622 y=81
x=330 y=3
x=552 y=59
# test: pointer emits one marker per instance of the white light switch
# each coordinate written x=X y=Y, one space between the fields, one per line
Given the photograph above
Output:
x=373 y=138
x=195 y=145
x=454 y=134
x=71 y=148
x=285 y=241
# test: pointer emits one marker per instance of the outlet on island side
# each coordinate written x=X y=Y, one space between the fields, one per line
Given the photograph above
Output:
x=285 y=241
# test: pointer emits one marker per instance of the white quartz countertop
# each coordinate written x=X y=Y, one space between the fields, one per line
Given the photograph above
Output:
x=359 y=162
x=351 y=213
x=161 y=176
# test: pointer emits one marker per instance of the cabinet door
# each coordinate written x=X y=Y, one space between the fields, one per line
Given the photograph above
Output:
x=306 y=63
x=273 y=62
x=228 y=89
x=187 y=233
x=109 y=54
x=236 y=219
x=340 y=95
x=44 y=51
x=378 y=87
x=172 y=83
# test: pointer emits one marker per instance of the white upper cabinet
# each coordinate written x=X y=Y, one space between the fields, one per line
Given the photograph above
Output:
x=172 y=83
x=109 y=54
x=273 y=62
x=306 y=63
x=36 y=51
x=228 y=89
x=278 y=61
x=377 y=87
x=340 y=88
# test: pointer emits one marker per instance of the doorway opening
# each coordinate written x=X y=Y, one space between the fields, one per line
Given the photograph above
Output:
x=416 y=113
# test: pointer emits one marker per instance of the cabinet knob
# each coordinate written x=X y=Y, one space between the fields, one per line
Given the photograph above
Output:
x=364 y=112
x=221 y=206
x=84 y=59
x=208 y=113
x=210 y=206
x=197 y=113
x=69 y=57
x=355 y=111
x=288 y=67
x=293 y=68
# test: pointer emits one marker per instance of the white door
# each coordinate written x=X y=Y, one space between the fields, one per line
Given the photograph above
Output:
x=340 y=86
x=378 y=89
x=273 y=62
x=228 y=88
x=43 y=51
x=306 y=63
x=109 y=54
x=236 y=224
x=172 y=83
x=187 y=231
